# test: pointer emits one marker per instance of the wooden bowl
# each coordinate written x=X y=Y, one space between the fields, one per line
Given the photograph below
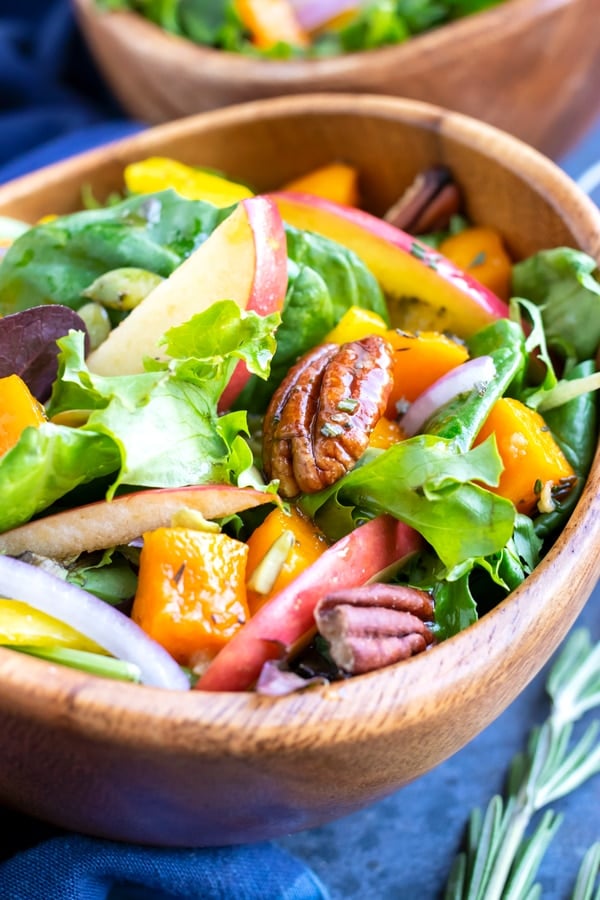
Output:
x=155 y=766
x=530 y=67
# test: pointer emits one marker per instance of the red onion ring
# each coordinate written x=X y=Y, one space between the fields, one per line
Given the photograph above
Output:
x=459 y=380
x=312 y=14
x=97 y=620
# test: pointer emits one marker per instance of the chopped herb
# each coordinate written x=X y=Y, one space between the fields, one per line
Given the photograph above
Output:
x=477 y=260
x=179 y=574
x=331 y=430
x=418 y=251
x=348 y=405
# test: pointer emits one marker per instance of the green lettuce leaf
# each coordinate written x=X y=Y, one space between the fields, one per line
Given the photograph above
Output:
x=54 y=262
x=550 y=393
x=428 y=483
x=165 y=420
x=480 y=583
x=110 y=577
x=455 y=607
x=46 y=464
x=563 y=283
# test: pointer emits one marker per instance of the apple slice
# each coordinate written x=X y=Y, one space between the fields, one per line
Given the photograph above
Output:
x=269 y=284
x=244 y=259
x=97 y=526
x=370 y=550
x=425 y=291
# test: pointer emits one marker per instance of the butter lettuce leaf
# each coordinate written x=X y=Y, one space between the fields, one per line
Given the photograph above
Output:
x=159 y=428
x=47 y=463
x=165 y=420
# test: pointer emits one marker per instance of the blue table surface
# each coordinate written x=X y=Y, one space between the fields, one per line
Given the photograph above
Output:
x=403 y=846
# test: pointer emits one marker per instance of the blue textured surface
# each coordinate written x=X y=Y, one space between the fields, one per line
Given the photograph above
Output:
x=53 y=104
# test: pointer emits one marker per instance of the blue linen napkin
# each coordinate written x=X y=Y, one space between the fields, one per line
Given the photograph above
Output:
x=49 y=87
x=53 y=103
x=75 y=867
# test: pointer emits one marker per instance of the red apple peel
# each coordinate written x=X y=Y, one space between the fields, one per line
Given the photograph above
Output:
x=403 y=265
x=269 y=283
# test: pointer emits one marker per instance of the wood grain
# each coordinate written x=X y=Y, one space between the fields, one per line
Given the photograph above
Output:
x=530 y=67
x=151 y=766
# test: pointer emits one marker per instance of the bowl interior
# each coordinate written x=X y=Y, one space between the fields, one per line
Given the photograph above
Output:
x=211 y=769
x=389 y=140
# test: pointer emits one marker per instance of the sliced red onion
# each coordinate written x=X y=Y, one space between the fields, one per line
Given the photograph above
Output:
x=477 y=371
x=312 y=14
x=94 y=618
x=276 y=682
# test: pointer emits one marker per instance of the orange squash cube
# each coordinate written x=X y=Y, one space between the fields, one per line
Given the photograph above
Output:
x=336 y=181
x=306 y=545
x=386 y=433
x=419 y=360
x=18 y=410
x=271 y=21
x=191 y=595
x=530 y=455
x=480 y=252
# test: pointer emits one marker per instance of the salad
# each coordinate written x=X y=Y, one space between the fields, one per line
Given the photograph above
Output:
x=291 y=29
x=258 y=442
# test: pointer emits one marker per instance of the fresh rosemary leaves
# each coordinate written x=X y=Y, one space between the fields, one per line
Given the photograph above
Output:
x=501 y=861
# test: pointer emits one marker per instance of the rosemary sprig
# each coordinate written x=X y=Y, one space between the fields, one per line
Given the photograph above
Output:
x=500 y=862
x=588 y=875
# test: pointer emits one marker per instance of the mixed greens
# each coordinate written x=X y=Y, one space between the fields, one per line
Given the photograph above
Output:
x=291 y=29
x=136 y=440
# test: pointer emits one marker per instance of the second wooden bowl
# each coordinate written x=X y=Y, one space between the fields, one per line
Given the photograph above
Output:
x=530 y=67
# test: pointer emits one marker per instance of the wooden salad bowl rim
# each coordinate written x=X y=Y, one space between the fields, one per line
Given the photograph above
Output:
x=462 y=670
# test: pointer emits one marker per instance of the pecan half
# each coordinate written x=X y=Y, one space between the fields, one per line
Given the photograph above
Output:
x=427 y=204
x=320 y=418
x=374 y=626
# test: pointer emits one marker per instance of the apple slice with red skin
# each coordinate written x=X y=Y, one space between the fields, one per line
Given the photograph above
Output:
x=425 y=290
x=244 y=260
x=269 y=284
x=97 y=526
x=371 y=549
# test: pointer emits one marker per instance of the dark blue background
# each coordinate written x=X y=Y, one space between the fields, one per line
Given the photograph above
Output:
x=53 y=103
